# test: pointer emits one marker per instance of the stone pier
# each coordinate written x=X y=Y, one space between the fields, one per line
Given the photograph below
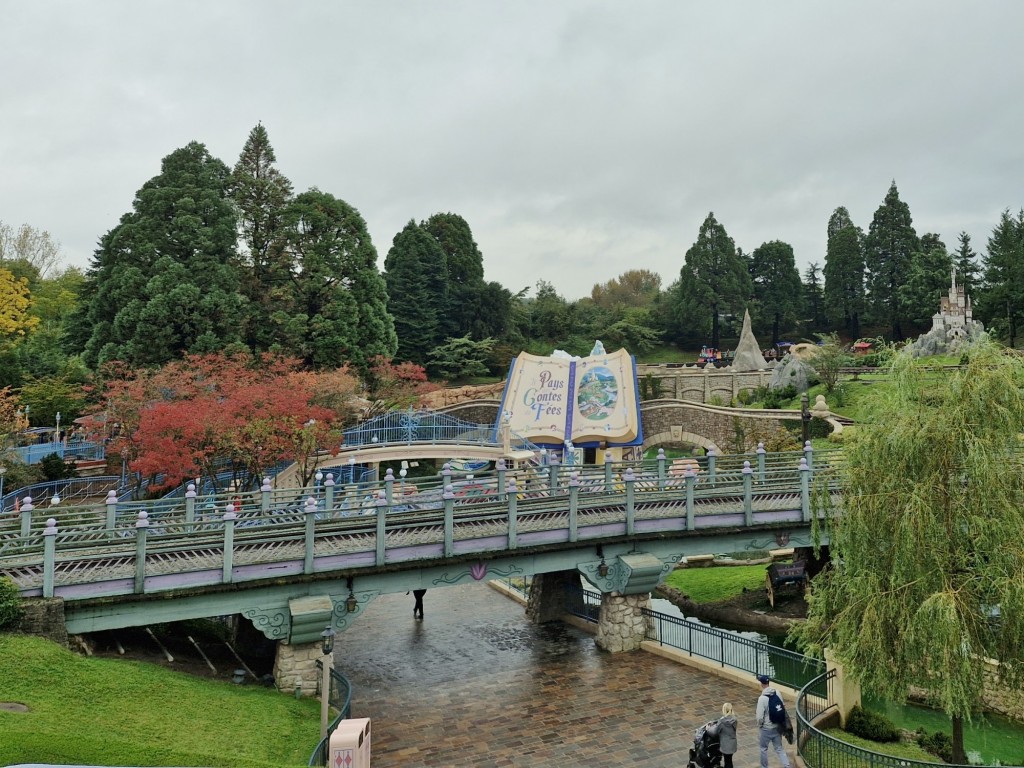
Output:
x=548 y=594
x=621 y=626
x=295 y=667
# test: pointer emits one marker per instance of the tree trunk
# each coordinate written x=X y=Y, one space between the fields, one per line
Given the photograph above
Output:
x=714 y=326
x=959 y=756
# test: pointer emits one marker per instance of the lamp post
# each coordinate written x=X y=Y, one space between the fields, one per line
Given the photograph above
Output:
x=805 y=417
x=3 y=471
x=56 y=435
x=124 y=467
x=402 y=473
x=327 y=646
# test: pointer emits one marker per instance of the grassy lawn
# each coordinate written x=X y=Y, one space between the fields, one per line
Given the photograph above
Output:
x=712 y=585
x=110 y=712
x=896 y=749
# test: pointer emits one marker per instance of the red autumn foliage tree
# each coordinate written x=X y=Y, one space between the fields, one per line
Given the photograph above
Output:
x=394 y=387
x=208 y=414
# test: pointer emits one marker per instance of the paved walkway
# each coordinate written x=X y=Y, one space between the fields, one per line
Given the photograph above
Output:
x=475 y=684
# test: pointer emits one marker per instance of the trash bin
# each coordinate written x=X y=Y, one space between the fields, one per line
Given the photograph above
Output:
x=349 y=746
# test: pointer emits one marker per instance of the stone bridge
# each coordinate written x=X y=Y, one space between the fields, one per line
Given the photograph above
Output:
x=669 y=422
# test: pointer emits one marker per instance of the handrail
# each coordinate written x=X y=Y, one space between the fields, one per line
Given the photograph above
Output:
x=711 y=643
x=816 y=702
x=339 y=697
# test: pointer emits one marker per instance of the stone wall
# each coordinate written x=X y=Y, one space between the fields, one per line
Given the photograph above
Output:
x=295 y=665
x=443 y=398
x=710 y=426
x=713 y=385
x=547 y=595
x=998 y=698
x=45 y=618
x=621 y=626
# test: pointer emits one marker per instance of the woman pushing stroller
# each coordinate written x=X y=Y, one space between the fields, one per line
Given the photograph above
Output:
x=725 y=729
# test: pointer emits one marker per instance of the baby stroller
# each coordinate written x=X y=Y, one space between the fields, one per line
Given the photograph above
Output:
x=704 y=752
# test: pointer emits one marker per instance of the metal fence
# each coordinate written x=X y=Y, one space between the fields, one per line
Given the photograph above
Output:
x=819 y=750
x=33 y=454
x=340 y=698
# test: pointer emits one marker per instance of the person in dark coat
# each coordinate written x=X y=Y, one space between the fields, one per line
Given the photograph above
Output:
x=417 y=609
x=725 y=728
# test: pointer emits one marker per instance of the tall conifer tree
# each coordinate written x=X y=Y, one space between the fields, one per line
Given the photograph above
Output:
x=165 y=280
x=888 y=250
x=844 y=273
x=713 y=281
x=416 y=274
x=776 y=284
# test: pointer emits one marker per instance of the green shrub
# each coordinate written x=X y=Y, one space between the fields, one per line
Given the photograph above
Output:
x=10 y=602
x=939 y=744
x=871 y=725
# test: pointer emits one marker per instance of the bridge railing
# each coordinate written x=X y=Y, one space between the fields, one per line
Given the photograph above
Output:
x=815 y=702
x=720 y=646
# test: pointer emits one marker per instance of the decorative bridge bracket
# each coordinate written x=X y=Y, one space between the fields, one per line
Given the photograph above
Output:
x=348 y=607
x=478 y=571
x=630 y=574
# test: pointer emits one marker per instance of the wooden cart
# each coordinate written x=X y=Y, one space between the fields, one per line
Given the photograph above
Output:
x=784 y=577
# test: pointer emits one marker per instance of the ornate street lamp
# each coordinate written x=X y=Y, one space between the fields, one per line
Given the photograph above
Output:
x=805 y=417
x=327 y=646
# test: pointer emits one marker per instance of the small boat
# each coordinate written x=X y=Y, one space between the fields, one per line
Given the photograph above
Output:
x=467 y=465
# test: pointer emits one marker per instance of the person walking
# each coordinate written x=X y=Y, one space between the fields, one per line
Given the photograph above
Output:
x=417 y=609
x=771 y=717
x=725 y=728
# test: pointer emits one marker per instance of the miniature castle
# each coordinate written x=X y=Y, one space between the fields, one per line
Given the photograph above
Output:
x=955 y=314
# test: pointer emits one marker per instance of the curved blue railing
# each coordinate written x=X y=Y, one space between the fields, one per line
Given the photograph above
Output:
x=340 y=697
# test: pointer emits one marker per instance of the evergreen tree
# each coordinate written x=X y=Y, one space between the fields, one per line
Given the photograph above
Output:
x=966 y=262
x=165 y=280
x=261 y=193
x=927 y=282
x=713 y=281
x=844 y=273
x=1002 y=302
x=777 y=294
x=416 y=274
x=888 y=250
x=464 y=277
x=813 y=299
x=337 y=311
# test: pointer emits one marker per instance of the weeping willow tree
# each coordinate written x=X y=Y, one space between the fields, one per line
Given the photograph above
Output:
x=928 y=549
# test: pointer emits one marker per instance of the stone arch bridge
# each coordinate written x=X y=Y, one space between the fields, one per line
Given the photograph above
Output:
x=669 y=421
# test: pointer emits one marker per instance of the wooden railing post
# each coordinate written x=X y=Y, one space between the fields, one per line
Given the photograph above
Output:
x=809 y=454
x=389 y=486
x=111 y=517
x=552 y=471
x=513 y=501
x=501 y=468
x=229 y=543
x=711 y=466
x=574 y=501
x=760 y=462
x=630 y=479
x=691 y=481
x=661 y=469
x=382 y=527
x=607 y=472
x=26 y=516
x=49 y=553
x=748 y=500
x=309 y=538
x=805 y=490
x=266 y=489
x=190 y=505
x=141 y=530
x=329 y=494
x=449 y=521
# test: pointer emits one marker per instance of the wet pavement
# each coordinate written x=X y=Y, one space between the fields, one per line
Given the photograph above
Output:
x=475 y=684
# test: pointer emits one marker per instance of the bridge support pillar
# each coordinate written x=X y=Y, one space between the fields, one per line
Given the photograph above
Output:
x=295 y=667
x=547 y=595
x=622 y=625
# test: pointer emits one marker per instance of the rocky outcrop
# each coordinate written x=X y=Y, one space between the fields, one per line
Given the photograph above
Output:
x=454 y=395
x=748 y=355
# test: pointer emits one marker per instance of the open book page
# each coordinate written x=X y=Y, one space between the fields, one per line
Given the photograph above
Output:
x=604 y=405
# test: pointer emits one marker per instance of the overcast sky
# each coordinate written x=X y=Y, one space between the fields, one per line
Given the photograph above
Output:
x=578 y=139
